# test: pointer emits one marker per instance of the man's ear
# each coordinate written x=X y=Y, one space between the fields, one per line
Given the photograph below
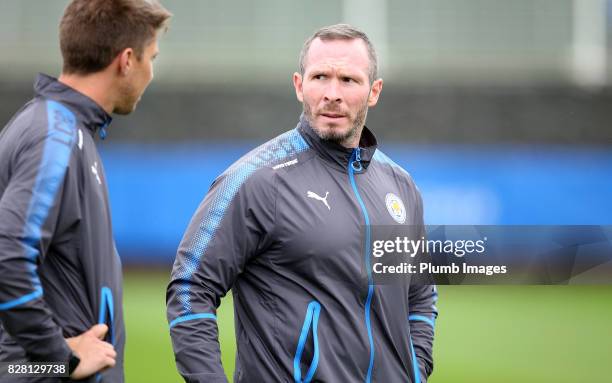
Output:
x=126 y=61
x=297 y=84
x=375 y=92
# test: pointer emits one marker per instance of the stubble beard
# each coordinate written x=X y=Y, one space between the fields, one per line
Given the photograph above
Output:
x=128 y=98
x=333 y=135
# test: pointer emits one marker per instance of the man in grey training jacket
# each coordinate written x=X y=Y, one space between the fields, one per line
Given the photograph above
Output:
x=283 y=228
x=60 y=274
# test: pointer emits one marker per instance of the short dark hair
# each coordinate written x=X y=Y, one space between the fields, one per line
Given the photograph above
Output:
x=341 y=32
x=94 y=32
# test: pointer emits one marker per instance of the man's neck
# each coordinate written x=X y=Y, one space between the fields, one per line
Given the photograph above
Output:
x=353 y=141
x=94 y=86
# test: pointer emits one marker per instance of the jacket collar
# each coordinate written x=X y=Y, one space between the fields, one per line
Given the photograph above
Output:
x=336 y=154
x=88 y=112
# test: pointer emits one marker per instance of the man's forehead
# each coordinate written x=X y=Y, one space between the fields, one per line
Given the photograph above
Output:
x=351 y=53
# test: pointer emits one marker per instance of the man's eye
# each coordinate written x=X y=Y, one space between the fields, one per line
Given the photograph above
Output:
x=319 y=77
x=347 y=79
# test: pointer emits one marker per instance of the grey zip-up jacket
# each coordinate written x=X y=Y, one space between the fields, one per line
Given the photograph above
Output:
x=59 y=270
x=283 y=227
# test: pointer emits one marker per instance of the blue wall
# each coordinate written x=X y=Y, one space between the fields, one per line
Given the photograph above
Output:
x=154 y=189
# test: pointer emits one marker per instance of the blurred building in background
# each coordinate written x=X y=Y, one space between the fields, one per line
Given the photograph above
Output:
x=501 y=110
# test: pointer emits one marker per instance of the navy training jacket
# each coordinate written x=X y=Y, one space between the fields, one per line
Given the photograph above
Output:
x=60 y=273
x=284 y=227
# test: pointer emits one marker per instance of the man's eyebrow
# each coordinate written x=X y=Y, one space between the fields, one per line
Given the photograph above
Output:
x=351 y=73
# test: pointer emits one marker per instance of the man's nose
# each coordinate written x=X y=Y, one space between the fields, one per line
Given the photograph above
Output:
x=332 y=92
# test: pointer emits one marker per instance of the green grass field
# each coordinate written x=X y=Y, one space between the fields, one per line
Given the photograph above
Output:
x=484 y=333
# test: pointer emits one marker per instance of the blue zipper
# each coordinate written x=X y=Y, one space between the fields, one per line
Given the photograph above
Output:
x=106 y=306
x=311 y=320
x=102 y=131
x=356 y=166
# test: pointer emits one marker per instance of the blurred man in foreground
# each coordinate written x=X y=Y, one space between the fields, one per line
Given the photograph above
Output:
x=282 y=228
x=60 y=275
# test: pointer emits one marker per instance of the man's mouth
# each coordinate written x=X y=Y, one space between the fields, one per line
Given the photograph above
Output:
x=333 y=115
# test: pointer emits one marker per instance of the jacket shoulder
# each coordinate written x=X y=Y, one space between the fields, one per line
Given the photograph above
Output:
x=404 y=178
x=260 y=162
x=38 y=119
x=274 y=152
x=26 y=123
x=391 y=166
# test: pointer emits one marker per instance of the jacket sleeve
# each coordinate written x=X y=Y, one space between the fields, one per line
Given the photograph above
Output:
x=29 y=208
x=422 y=317
x=232 y=225
x=422 y=314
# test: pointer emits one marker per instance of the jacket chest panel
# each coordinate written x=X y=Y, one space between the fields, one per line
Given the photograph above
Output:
x=319 y=224
x=94 y=207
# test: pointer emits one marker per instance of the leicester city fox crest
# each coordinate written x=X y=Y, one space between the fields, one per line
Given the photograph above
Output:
x=396 y=208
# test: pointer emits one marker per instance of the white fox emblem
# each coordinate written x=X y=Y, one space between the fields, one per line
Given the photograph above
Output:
x=313 y=195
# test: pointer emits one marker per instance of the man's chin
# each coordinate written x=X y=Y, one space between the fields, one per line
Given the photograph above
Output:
x=333 y=133
x=340 y=127
x=124 y=109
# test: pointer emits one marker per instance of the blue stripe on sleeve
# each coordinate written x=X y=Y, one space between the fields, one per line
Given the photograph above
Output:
x=19 y=301
x=282 y=147
x=185 y=318
x=58 y=143
x=421 y=318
